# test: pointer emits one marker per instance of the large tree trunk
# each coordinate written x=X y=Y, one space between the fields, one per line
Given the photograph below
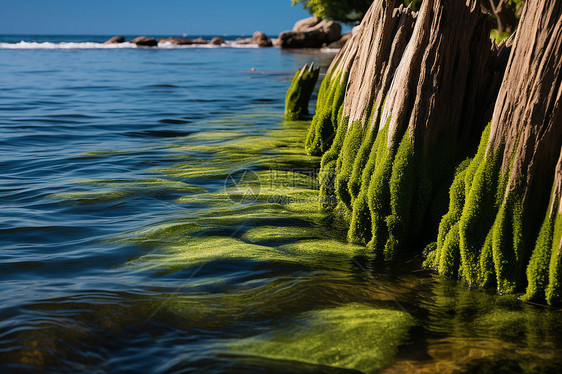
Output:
x=491 y=233
x=364 y=68
x=418 y=94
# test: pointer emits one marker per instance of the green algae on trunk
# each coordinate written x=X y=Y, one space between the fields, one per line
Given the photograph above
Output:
x=410 y=114
x=509 y=231
x=300 y=92
x=544 y=272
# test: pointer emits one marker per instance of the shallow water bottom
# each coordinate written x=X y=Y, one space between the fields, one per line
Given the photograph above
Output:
x=251 y=276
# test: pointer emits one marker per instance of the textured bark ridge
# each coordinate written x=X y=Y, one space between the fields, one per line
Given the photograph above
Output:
x=414 y=92
x=363 y=67
x=492 y=233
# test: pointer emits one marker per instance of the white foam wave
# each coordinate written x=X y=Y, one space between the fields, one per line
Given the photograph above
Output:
x=49 y=45
x=92 y=45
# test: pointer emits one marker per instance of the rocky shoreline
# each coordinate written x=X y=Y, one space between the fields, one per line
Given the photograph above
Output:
x=310 y=32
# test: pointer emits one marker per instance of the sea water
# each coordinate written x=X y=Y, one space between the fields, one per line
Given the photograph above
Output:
x=159 y=215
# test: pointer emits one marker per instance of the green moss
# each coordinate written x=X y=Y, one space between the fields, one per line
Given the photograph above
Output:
x=472 y=168
x=333 y=153
x=328 y=168
x=146 y=185
x=216 y=227
x=456 y=204
x=321 y=129
x=486 y=272
x=279 y=234
x=194 y=251
x=361 y=160
x=332 y=253
x=538 y=268
x=166 y=233
x=449 y=259
x=553 y=291
x=300 y=92
x=91 y=197
x=353 y=336
x=325 y=122
x=360 y=223
x=346 y=160
x=321 y=122
x=489 y=228
x=401 y=190
x=507 y=260
x=264 y=244
x=378 y=197
x=339 y=96
x=492 y=239
x=507 y=233
x=437 y=166
x=327 y=188
x=480 y=209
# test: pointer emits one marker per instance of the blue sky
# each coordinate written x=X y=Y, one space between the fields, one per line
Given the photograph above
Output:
x=215 y=17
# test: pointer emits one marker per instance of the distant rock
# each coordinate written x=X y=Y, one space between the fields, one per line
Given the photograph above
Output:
x=217 y=41
x=330 y=28
x=340 y=42
x=261 y=40
x=176 y=41
x=116 y=40
x=145 y=41
x=200 y=41
x=311 y=34
x=182 y=41
x=306 y=24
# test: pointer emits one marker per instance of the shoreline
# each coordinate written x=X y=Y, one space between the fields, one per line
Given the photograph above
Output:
x=22 y=45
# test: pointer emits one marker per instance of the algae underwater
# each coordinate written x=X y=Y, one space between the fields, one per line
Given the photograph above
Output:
x=272 y=283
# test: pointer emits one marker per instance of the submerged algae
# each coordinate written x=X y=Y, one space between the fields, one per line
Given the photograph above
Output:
x=90 y=197
x=353 y=336
x=280 y=224
x=119 y=189
x=152 y=185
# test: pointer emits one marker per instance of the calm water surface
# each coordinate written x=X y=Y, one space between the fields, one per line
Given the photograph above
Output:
x=122 y=250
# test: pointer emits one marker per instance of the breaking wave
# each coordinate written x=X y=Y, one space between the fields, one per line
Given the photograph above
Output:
x=92 y=45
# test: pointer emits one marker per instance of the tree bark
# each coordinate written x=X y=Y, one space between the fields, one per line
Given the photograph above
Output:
x=375 y=49
x=515 y=181
x=419 y=91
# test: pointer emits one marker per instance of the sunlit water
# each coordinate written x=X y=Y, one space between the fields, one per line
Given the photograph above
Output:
x=126 y=247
